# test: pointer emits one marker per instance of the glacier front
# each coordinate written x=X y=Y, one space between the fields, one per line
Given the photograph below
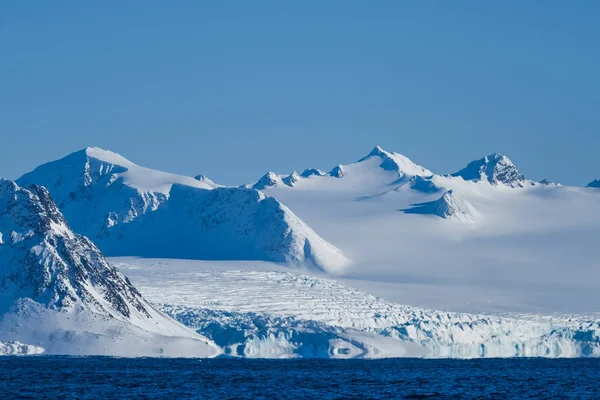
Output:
x=261 y=310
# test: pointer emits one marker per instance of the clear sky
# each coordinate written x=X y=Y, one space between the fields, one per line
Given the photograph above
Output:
x=232 y=89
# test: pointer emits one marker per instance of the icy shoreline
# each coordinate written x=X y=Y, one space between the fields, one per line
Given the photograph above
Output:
x=277 y=314
x=19 y=349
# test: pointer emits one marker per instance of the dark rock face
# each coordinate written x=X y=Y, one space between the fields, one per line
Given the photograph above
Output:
x=268 y=180
x=495 y=168
x=42 y=259
x=310 y=172
x=594 y=184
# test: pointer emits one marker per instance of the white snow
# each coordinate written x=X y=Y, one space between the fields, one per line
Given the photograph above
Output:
x=19 y=349
x=57 y=292
x=512 y=267
x=261 y=310
x=530 y=248
x=131 y=210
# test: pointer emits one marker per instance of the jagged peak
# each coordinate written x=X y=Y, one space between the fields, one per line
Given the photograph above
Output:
x=377 y=151
x=7 y=186
x=337 y=172
x=47 y=262
x=291 y=179
x=494 y=168
x=396 y=162
x=311 y=171
x=448 y=206
x=268 y=180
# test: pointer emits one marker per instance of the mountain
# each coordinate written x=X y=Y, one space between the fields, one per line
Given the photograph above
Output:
x=594 y=184
x=270 y=179
x=495 y=169
x=392 y=165
x=519 y=235
x=97 y=189
x=449 y=206
x=224 y=224
x=396 y=162
x=49 y=274
x=131 y=210
x=307 y=173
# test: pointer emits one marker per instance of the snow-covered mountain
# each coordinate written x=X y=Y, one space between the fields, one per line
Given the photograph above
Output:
x=449 y=206
x=495 y=168
x=50 y=274
x=497 y=231
x=396 y=162
x=393 y=164
x=473 y=244
x=131 y=210
x=594 y=184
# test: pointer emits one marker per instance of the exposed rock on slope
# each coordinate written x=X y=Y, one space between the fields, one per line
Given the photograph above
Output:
x=48 y=273
x=45 y=261
x=311 y=172
x=270 y=179
x=337 y=172
x=594 y=184
x=495 y=169
x=423 y=185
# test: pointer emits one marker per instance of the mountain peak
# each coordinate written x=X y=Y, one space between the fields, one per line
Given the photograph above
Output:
x=396 y=162
x=107 y=156
x=377 y=151
x=594 y=184
x=337 y=172
x=291 y=179
x=311 y=171
x=268 y=180
x=494 y=168
x=45 y=261
x=449 y=206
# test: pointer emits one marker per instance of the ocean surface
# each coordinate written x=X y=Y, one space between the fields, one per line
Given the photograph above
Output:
x=150 y=378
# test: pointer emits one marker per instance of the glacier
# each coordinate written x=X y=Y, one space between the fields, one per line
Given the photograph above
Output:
x=406 y=263
x=19 y=349
x=259 y=311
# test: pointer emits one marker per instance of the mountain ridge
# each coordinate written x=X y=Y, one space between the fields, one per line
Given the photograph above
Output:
x=108 y=202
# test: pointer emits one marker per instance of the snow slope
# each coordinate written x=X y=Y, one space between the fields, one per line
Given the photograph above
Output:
x=130 y=210
x=594 y=184
x=518 y=246
x=449 y=206
x=254 y=310
x=57 y=291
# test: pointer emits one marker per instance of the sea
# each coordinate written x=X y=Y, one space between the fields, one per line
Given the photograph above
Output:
x=52 y=377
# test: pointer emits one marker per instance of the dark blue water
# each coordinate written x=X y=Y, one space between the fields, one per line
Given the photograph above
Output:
x=97 y=377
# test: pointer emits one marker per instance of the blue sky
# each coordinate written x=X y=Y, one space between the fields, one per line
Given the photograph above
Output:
x=232 y=89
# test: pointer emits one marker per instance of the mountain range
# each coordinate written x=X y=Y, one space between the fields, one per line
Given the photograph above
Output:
x=384 y=218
